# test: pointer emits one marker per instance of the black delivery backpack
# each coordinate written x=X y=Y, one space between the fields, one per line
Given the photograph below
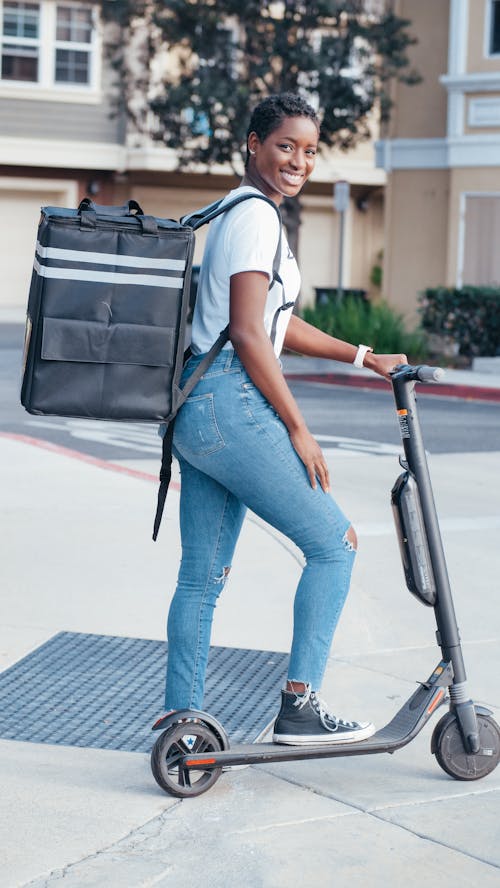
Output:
x=106 y=318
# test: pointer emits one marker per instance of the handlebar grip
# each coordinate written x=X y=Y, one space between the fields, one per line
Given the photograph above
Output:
x=430 y=374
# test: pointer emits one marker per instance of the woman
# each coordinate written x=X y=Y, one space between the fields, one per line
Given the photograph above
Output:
x=241 y=440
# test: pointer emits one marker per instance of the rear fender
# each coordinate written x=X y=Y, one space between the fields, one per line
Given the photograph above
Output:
x=196 y=715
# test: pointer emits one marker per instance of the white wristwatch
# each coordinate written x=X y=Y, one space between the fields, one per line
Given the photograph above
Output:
x=360 y=355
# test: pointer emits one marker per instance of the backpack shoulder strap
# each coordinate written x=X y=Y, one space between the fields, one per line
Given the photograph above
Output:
x=196 y=220
x=217 y=208
x=206 y=214
x=168 y=426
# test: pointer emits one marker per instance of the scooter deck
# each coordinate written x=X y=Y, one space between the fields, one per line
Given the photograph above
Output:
x=403 y=727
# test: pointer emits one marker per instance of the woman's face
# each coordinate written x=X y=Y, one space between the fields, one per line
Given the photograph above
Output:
x=281 y=164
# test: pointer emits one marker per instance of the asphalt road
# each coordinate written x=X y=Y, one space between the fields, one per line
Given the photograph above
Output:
x=357 y=420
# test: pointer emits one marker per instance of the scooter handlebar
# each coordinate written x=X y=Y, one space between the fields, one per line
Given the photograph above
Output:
x=430 y=374
x=420 y=373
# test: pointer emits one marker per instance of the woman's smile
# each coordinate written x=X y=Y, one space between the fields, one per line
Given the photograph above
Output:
x=292 y=178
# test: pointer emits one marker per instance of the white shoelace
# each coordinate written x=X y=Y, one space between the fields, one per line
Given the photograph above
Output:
x=329 y=722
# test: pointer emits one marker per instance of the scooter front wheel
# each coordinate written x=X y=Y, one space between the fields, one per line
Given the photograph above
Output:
x=181 y=739
x=448 y=747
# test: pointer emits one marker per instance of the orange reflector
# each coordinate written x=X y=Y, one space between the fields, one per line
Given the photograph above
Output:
x=402 y=412
x=435 y=703
x=193 y=762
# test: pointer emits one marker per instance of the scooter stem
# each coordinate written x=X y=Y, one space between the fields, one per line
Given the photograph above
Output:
x=403 y=382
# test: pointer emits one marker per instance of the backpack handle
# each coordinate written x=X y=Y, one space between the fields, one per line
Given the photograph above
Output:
x=88 y=212
x=131 y=208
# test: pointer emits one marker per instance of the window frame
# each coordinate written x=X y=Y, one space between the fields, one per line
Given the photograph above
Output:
x=23 y=42
x=47 y=87
x=488 y=31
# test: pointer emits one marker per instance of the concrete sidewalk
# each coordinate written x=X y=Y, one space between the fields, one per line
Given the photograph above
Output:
x=77 y=556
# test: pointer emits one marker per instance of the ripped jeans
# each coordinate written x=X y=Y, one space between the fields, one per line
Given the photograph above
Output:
x=235 y=452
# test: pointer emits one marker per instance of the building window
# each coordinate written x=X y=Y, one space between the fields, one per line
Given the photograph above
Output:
x=48 y=43
x=73 y=44
x=494 y=29
x=20 y=41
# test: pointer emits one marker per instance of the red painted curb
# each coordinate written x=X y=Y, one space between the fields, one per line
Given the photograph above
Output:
x=84 y=457
x=467 y=392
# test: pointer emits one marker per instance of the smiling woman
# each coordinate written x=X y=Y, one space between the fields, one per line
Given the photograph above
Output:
x=242 y=441
x=284 y=158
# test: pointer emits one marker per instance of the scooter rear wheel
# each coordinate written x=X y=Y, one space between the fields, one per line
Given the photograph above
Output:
x=180 y=739
x=448 y=747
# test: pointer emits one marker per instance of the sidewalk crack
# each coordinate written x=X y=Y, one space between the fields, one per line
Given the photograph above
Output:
x=434 y=841
x=150 y=829
x=373 y=812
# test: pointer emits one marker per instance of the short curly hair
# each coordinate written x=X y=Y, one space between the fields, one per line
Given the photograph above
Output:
x=270 y=113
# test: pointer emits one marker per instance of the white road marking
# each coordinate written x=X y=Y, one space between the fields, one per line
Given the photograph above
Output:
x=357 y=446
x=144 y=437
x=129 y=436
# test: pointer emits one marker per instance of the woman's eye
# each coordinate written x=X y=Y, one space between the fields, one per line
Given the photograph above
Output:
x=286 y=147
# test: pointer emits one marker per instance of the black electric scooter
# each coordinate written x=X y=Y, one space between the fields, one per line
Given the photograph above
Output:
x=193 y=748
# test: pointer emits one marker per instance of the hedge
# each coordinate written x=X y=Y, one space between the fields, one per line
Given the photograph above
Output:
x=356 y=320
x=469 y=316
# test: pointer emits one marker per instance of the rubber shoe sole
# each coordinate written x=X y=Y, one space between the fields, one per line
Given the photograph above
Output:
x=329 y=739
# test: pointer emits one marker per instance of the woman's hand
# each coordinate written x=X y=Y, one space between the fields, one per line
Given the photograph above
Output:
x=383 y=364
x=312 y=456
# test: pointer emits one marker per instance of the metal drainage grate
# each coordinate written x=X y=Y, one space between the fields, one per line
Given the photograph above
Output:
x=106 y=692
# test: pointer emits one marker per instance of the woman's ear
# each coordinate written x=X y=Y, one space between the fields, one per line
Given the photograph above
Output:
x=252 y=143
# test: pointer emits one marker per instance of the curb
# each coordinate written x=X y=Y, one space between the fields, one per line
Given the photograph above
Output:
x=464 y=392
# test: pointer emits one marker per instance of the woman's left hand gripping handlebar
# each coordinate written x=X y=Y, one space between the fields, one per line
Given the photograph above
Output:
x=384 y=364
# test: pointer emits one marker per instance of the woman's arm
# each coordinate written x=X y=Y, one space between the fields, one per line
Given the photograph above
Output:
x=248 y=295
x=305 y=339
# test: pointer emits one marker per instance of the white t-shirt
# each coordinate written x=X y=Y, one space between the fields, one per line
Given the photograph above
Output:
x=243 y=239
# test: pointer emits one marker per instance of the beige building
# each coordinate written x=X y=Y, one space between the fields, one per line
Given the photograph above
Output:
x=58 y=143
x=442 y=153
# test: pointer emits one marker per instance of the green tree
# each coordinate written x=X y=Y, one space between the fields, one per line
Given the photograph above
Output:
x=200 y=65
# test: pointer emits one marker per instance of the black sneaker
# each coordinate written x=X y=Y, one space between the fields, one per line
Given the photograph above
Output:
x=303 y=719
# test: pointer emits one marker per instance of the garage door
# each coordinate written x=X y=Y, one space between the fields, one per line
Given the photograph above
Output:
x=19 y=217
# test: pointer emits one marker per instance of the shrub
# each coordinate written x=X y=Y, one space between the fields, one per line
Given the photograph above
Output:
x=375 y=323
x=469 y=316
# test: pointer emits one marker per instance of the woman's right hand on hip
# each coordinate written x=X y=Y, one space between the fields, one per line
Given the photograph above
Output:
x=312 y=456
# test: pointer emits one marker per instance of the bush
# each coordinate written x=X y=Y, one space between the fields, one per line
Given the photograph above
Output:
x=375 y=323
x=469 y=316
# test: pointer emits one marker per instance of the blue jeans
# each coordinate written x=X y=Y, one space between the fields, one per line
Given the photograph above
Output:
x=235 y=452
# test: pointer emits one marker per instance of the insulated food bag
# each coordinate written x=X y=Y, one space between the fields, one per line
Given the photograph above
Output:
x=106 y=317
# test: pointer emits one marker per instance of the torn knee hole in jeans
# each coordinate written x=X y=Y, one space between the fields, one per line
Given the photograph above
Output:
x=350 y=540
x=224 y=575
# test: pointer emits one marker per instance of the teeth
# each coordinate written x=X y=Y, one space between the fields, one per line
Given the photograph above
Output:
x=293 y=178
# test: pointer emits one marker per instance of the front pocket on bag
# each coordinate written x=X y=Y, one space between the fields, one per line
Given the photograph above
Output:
x=92 y=342
x=196 y=429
